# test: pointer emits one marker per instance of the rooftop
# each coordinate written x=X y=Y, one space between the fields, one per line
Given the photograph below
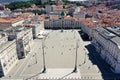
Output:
x=10 y=19
x=108 y=34
x=114 y=30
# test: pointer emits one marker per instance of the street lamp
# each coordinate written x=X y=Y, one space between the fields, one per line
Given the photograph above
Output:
x=43 y=46
x=75 y=68
x=35 y=58
x=62 y=26
x=85 y=55
x=62 y=17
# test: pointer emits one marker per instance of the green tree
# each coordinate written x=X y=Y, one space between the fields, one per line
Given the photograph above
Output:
x=37 y=2
x=80 y=4
x=21 y=4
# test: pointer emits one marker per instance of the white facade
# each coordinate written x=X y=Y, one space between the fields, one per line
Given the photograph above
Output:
x=108 y=45
x=62 y=23
x=24 y=42
x=36 y=25
x=2 y=14
x=87 y=29
x=37 y=28
x=8 y=57
x=3 y=38
x=20 y=22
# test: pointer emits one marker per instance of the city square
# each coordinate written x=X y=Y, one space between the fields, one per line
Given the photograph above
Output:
x=60 y=40
x=60 y=54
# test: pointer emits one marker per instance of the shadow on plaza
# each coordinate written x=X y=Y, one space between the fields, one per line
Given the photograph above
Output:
x=84 y=36
x=104 y=68
x=96 y=59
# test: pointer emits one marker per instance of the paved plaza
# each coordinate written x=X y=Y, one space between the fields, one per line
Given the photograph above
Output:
x=60 y=53
x=60 y=73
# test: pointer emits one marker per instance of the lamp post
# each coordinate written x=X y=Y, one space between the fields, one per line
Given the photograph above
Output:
x=85 y=55
x=75 y=68
x=35 y=58
x=62 y=26
x=62 y=17
x=43 y=46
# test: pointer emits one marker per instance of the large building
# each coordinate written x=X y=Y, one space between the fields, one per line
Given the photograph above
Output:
x=66 y=23
x=24 y=38
x=11 y=21
x=48 y=8
x=8 y=57
x=36 y=24
x=107 y=43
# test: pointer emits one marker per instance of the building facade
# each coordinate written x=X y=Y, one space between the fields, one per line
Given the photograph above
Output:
x=8 y=57
x=11 y=21
x=108 y=45
x=24 y=42
x=62 y=23
x=3 y=38
x=36 y=25
x=48 y=8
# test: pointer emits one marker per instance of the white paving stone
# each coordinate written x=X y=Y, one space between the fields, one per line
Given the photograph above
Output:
x=60 y=73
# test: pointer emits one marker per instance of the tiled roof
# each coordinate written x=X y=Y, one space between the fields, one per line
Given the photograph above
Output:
x=10 y=19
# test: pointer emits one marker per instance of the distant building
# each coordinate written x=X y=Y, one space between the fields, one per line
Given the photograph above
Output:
x=36 y=24
x=44 y=1
x=59 y=2
x=2 y=14
x=2 y=7
x=65 y=23
x=87 y=26
x=11 y=21
x=107 y=43
x=8 y=57
x=79 y=15
x=71 y=11
x=48 y=8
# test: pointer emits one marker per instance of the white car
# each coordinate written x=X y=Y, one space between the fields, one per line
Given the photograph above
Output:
x=40 y=36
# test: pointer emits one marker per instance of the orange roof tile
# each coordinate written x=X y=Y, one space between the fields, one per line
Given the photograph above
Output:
x=10 y=19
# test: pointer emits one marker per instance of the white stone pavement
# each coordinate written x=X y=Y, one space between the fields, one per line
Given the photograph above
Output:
x=60 y=73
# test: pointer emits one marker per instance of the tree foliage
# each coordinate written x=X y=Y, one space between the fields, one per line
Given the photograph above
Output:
x=26 y=4
x=66 y=1
x=80 y=4
x=37 y=2
x=21 y=4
